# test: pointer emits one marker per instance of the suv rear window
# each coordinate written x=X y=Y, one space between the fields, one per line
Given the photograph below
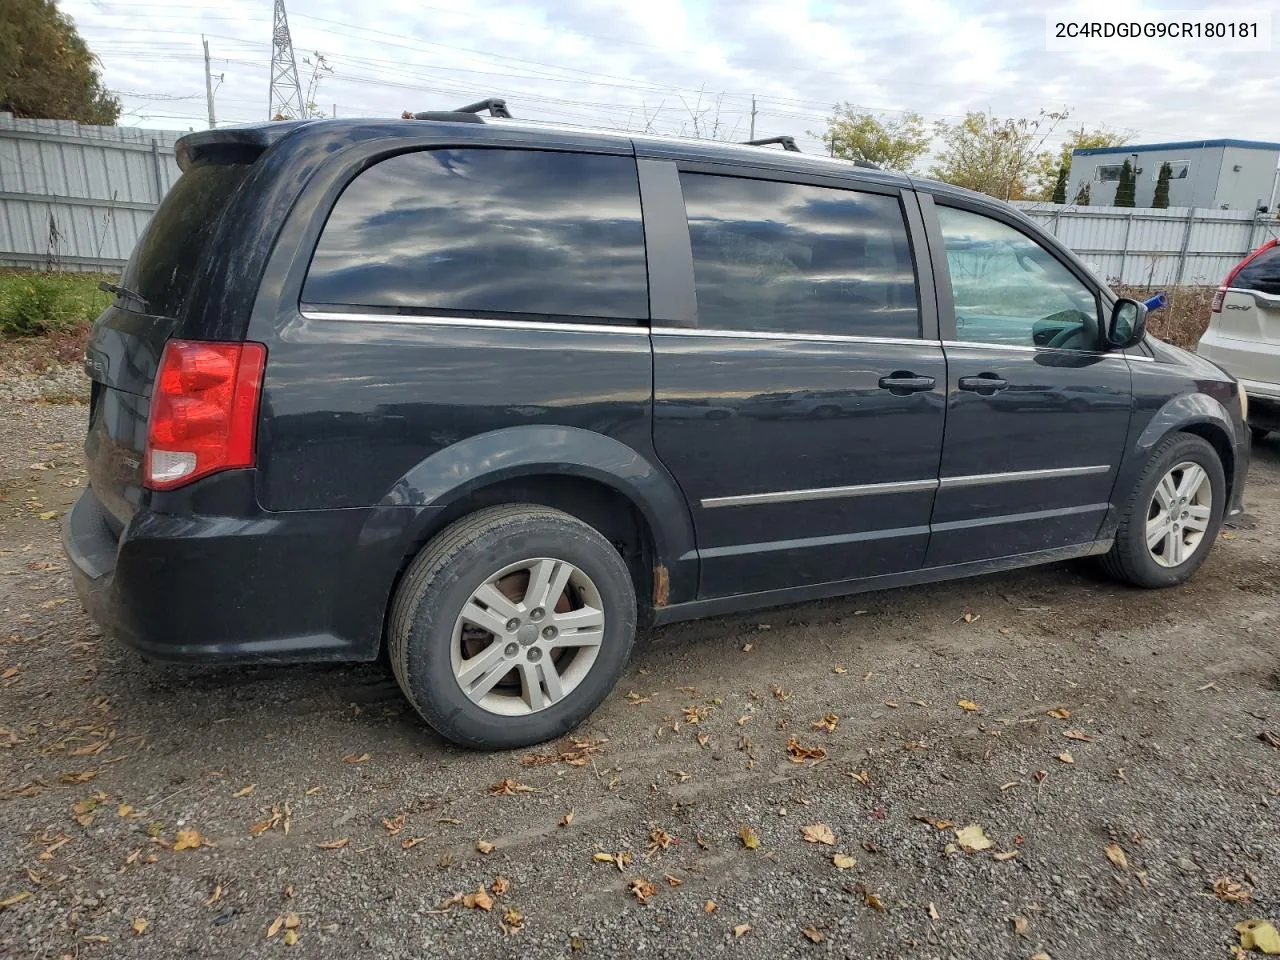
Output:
x=166 y=257
x=1262 y=273
x=487 y=231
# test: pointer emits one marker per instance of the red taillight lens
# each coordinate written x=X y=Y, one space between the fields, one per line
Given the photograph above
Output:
x=204 y=410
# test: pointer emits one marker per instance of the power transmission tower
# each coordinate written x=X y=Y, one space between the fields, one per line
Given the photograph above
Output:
x=286 y=92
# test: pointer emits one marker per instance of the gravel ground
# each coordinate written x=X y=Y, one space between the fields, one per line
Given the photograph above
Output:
x=109 y=763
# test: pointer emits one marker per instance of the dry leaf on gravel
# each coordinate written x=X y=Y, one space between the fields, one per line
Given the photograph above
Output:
x=813 y=933
x=779 y=693
x=659 y=839
x=967 y=705
x=709 y=907
x=696 y=714
x=509 y=787
x=799 y=754
x=244 y=791
x=642 y=889
x=215 y=896
x=862 y=776
x=749 y=838
x=843 y=861
x=1060 y=713
x=290 y=938
x=1020 y=925
x=1077 y=735
x=292 y=921
x=566 y=819
x=972 y=838
x=818 y=833
x=741 y=930
x=395 y=824
x=933 y=911
x=839 y=671
x=334 y=844
x=1227 y=889
x=634 y=698
x=1116 y=855
x=15 y=899
x=356 y=758
x=827 y=723
x=1066 y=757
x=500 y=885
x=1004 y=855
x=1041 y=956
x=484 y=846
x=672 y=880
x=139 y=926
x=480 y=900
x=408 y=843
x=1258 y=935
x=190 y=840
x=933 y=822
x=512 y=921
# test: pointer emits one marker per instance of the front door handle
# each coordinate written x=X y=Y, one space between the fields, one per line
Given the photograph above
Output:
x=903 y=384
x=987 y=383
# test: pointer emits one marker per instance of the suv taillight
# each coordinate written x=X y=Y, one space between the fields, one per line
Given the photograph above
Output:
x=204 y=410
x=1216 y=306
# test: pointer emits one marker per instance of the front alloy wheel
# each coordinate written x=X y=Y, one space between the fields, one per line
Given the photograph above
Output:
x=1179 y=514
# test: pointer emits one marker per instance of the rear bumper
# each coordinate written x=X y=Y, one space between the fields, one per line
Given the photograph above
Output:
x=308 y=586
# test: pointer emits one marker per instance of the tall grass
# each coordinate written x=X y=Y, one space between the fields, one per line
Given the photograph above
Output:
x=39 y=304
x=1184 y=321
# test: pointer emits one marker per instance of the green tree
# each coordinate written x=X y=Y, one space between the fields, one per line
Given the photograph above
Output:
x=1060 y=188
x=1161 y=198
x=45 y=68
x=1082 y=195
x=895 y=143
x=1049 y=162
x=992 y=155
x=1127 y=186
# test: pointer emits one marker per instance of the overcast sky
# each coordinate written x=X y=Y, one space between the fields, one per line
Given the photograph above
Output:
x=661 y=62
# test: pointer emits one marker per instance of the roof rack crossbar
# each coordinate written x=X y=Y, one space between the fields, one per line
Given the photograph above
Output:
x=496 y=106
x=788 y=143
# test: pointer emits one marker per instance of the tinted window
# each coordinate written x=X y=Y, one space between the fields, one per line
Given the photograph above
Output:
x=788 y=258
x=1010 y=290
x=166 y=257
x=492 y=231
x=1262 y=273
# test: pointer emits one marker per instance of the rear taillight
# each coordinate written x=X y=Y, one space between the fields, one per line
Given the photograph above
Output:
x=204 y=410
x=1216 y=306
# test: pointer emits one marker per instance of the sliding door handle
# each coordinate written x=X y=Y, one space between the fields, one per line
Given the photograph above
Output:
x=902 y=384
x=987 y=383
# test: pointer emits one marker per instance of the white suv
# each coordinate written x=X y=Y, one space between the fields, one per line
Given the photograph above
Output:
x=1244 y=334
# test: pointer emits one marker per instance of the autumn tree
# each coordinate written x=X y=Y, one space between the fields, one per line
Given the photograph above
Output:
x=1127 y=187
x=1049 y=162
x=992 y=155
x=1161 y=198
x=1060 y=187
x=45 y=68
x=895 y=143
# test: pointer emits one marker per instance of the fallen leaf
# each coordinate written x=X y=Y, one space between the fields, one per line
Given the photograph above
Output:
x=243 y=791
x=408 y=843
x=15 y=899
x=1020 y=925
x=818 y=833
x=395 y=824
x=334 y=844
x=480 y=900
x=1066 y=757
x=933 y=911
x=843 y=861
x=1077 y=735
x=509 y=787
x=292 y=921
x=124 y=810
x=1116 y=855
x=139 y=926
x=696 y=714
x=749 y=838
x=893 y=704
x=290 y=938
x=500 y=885
x=49 y=515
x=779 y=693
x=972 y=838
x=96 y=938
x=566 y=819
x=642 y=889
x=634 y=698
x=703 y=739
x=190 y=840
x=741 y=930
x=659 y=839
x=215 y=896
x=840 y=671
x=862 y=776
x=1227 y=889
x=1004 y=855
x=512 y=920
x=288 y=891
x=484 y=846
x=577 y=943
x=813 y=933
x=276 y=924
x=84 y=776
x=353 y=758
x=873 y=901
x=709 y=907
x=971 y=617
x=746 y=648
x=602 y=857
x=1041 y=956
x=967 y=705
x=798 y=754
x=936 y=824
x=672 y=880
x=1060 y=713
x=1258 y=935
x=1010 y=785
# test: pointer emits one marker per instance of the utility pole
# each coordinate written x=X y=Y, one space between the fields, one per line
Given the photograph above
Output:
x=208 y=84
x=285 y=98
x=753 y=117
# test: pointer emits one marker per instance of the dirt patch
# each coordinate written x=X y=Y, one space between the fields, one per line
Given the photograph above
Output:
x=155 y=812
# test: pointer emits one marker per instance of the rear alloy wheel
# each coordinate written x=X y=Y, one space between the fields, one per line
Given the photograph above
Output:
x=1173 y=515
x=511 y=626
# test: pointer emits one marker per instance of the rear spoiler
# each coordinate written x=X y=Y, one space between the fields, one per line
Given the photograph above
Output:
x=231 y=144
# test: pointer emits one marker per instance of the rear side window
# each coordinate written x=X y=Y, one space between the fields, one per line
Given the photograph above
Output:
x=166 y=257
x=487 y=231
x=1262 y=273
x=790 y=258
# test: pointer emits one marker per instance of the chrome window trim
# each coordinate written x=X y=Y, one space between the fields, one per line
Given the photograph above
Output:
x=899 y=486
x=637 y=329
x=1024 y=348
x=771 y=335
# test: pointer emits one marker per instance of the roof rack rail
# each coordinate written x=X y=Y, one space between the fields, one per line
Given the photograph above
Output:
x=788 y=143
x=866 y=163
x=496 y=106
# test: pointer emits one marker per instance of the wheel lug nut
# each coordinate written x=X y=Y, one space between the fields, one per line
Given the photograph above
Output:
x=535 y=654
x=549 y=633
x=511 y=650
x=513 y=624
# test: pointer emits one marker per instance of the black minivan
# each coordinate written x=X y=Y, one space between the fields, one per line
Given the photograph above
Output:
x=497 y=393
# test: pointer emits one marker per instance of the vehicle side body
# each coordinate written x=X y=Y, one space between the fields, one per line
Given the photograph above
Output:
x=378 y=429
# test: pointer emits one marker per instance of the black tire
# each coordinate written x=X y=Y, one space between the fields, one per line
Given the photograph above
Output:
x=1258 y=433
x=441 y=579
x=1129 y=559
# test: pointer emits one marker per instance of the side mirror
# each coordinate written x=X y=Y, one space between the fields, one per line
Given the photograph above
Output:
x=1127 y=324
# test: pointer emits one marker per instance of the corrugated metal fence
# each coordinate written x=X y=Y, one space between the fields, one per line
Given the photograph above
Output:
x=75 y=196
x=1156 y=247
